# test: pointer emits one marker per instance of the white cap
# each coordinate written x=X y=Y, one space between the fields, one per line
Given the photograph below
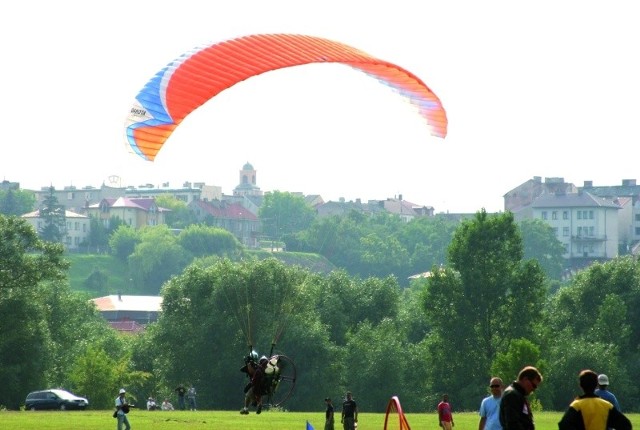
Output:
x=603 y=379
x=122 y=391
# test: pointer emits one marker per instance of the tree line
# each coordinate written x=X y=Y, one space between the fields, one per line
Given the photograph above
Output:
x=485 y=310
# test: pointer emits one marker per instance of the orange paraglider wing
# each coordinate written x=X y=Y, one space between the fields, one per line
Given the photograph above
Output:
x=198 y=75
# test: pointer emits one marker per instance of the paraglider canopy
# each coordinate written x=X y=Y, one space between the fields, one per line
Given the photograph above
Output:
x=202 y=73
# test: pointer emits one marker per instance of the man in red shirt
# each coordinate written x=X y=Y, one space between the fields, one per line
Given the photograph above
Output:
x=445 y=416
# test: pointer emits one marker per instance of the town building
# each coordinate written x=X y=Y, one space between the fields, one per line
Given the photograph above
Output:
x=77 y=227
x=586 y=225
x=129 y=313
x=134 y=212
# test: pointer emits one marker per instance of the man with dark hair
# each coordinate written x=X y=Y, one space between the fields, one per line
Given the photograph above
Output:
x=590 y=412
x=349 y=413
x=515 y=412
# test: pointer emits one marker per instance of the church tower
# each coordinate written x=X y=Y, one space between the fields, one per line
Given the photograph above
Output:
x=247 y=185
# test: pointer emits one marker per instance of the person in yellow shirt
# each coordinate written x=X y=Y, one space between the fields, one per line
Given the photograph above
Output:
x=590 y=412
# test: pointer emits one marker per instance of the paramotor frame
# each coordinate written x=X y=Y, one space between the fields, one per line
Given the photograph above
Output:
x=281 y=374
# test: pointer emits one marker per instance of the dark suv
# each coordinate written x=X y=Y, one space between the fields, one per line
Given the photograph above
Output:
x=54 y=399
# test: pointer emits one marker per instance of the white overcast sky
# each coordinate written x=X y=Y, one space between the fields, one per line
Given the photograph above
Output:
x=531 y=88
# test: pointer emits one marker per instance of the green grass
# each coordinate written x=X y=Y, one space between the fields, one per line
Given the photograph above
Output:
x=232 y=420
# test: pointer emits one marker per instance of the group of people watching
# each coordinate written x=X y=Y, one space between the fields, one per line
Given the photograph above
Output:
x=152 y=405
x=166 y=405
x=595 y=409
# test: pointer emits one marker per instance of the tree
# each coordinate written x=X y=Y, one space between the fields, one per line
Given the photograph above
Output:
x=123 y=241
x=179 y=215
x=16 y=202
x=284 y=213
x=485 y=299
x=540 y=243
x=201 y=241
x=25 y=262
x=157 y=258
x=98 y=238
x=53 y=217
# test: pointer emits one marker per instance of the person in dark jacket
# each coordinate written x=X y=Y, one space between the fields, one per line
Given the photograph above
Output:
x=515 y=412
x=590 y=412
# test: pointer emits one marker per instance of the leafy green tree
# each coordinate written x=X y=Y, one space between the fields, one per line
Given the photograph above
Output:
x=540 y=243
x=16 y=202
x=213 y=315
x=123 y=241
x=25 y=262
x=595 y=322
x=488 y=297
x=157 y=258
x=95 y=375
x=98 y=238
x=54 y=227
x=378 y=352
x=284 y=213
x=201 y=240
x=179 y=215
x=426 y=239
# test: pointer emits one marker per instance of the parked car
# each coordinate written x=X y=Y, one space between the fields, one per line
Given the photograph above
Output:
x=54 y=399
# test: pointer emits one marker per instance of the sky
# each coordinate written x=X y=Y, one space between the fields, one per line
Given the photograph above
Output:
x=531 y=88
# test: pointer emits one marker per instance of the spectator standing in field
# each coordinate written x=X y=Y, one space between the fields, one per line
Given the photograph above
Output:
x=329 y=419
x=490 y=407
x=349 y=413
x=603 y=392
x=445 y=415
x=515 y=412
x=181 y=391
x=590 y=412
x=191 y=396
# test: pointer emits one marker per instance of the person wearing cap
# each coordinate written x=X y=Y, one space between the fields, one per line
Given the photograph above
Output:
x=122 y=407
x=515 y=411
x=329 y=420
x=151 y=404
x=490 y=407
x=349 y=413
x=590 y=412
x=603 y=392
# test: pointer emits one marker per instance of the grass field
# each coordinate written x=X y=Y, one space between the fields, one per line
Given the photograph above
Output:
x=227 y=420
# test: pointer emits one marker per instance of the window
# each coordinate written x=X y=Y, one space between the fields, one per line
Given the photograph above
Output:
x=579 y=230
x=579 y=214
x=637 y=217
x=591 y=231
x=565 y=214
x=554 y=215
x=637 y=231
x=555 y=231
x=584 y=214
x=544 y=214
x=590 y=214
x=565 y=231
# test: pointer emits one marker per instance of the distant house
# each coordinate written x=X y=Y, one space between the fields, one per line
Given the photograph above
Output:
x=586 y=225
x=120 y=308
x=234 y=217
x=136 y=213
x=76 y=228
